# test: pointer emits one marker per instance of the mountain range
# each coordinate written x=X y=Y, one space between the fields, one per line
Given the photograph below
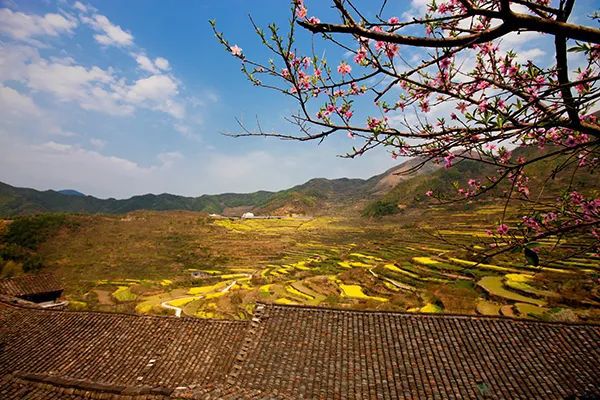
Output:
x=381 y=194
x=315 y=196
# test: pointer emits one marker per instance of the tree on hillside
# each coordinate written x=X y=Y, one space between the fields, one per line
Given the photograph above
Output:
x=468 y=96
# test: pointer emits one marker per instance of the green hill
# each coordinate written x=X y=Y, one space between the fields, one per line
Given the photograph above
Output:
x=383 y=194
x=542 y=181
x=315 y=196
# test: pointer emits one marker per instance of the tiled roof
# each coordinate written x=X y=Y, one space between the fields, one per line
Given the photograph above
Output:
x=117 y=349
x=317 y=353
x=40 y=387
x=290 y=352
x=30 y=284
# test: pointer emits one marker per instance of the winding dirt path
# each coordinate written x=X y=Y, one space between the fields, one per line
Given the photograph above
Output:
x=179 y=310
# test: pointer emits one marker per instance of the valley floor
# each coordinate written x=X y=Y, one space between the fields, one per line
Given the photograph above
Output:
x=415 y=262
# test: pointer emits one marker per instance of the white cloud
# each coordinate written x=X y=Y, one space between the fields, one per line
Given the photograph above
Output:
x=80 y=6
x=56 y=165
x=146 y=64
x=155 y=87
x=417 y=9
x=162 y=63
x=159 y=64
x=97 y=143
x=19 y=113
x=13 y=103
x=56 y=147
x=23 y=26
x=157 y=92
x=530 y=55
x=110 y=34
x=66 y=81
x=13 y=60
x=58 y=131
x=169 y=158
x=517 y=40
x=93 y=88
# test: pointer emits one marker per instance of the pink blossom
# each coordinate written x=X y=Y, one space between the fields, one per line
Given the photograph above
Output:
x=549 y=217
x=314 y=20
x=481 y=85
x=393 y=20
x=391 y=49
x=306 y=62
x=301 y=11
x=429 y=193
x=582 y=87
x=531 y=223
x=483 y=106
x=360 y=56
x=236 y=50
x=462 y=107
x=576 y=198
x=448 y=160
x=488 y=48
x=344 y=68
x=445 y=63
x=502 y=229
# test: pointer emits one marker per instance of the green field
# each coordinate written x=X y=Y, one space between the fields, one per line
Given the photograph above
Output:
x=418 y=262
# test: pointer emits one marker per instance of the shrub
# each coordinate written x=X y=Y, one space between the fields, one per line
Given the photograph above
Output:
x=29 y=232
x=380 y=208
x=11 y=268
x=33 y=263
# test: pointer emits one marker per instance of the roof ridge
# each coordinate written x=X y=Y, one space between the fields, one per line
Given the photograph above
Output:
x=86 y=385
x=10 y=303
x=10 y=278
x=249 y=342
x=429 y=315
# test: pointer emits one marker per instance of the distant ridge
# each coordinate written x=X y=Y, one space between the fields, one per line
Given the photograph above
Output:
x=379 y=195
x=71 y=192
x=318 y=195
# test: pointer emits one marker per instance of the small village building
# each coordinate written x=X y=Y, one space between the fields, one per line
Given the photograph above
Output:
x=249 y=215
x=42 y=289
x=199 y=275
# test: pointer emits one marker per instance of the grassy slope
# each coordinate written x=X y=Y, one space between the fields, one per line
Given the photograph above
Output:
x=315 y=196
x=412 y=191
x=152 y=253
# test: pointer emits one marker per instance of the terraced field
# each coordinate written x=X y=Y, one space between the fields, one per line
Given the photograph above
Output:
x=406 y=263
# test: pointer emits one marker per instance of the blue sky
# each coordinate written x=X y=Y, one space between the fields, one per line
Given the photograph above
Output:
x=117 y=98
